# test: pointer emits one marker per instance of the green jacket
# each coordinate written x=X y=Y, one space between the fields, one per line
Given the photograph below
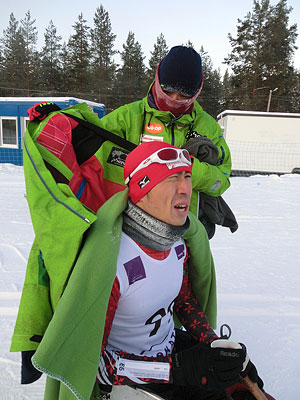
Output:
x=70 y=349
x=59 y=221
x=138 y=122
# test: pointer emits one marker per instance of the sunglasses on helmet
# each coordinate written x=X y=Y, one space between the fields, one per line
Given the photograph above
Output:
x=164 y=156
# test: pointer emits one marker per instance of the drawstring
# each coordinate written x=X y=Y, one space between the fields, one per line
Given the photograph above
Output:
x=143 y=123
x=144 y=117
x=150 y=119
x=193 y=121
x=173 y=134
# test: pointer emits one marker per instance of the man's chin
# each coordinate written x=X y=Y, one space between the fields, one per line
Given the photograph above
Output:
x=178 y=221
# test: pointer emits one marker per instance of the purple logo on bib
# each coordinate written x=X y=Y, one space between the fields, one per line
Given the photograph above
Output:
x=179 y=251
x=135 y=270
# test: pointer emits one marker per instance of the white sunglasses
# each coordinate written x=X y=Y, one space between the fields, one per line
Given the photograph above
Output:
x=164 y=156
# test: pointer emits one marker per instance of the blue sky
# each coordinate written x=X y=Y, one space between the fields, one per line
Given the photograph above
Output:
x=204 y=23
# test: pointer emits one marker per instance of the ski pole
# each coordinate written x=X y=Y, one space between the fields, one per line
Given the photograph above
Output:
x=253 y=388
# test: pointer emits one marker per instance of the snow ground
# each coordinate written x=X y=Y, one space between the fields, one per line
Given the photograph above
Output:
x=257 y=274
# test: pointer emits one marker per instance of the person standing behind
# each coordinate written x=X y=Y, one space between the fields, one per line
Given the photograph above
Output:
x=170 y=113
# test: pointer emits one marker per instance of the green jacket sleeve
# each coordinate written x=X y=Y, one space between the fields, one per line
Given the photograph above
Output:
x=211 y=179
x=125 y=121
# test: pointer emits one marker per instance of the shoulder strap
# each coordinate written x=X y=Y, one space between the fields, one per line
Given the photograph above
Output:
x=112 y=137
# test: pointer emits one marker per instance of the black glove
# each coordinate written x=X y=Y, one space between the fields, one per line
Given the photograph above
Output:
x=203 y=149
x=40 y=110
x=28 y=373
x=214 y=210
x=251 y=371
x=209 y=368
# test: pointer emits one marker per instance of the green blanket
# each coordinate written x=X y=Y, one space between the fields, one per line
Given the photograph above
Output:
x=70 y=349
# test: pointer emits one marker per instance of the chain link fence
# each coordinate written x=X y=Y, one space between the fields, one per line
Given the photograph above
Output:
x=250 y=158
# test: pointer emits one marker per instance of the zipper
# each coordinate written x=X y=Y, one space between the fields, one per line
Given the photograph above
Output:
x=172 y=132
x=49 y=190
x=173 y=120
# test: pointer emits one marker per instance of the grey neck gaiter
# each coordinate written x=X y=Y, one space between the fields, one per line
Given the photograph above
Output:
x=149 y=231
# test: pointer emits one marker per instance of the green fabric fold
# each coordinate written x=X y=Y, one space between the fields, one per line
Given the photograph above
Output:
x=67 y=285
x=70 y=349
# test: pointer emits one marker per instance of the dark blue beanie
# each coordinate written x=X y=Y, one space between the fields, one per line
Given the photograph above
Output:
x=181 y=71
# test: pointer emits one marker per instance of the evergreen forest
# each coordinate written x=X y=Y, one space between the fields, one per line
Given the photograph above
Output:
x=260 y=63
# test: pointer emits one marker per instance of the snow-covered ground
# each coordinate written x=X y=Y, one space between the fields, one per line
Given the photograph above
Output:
x=257 y=272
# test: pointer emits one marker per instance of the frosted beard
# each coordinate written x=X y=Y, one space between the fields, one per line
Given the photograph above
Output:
x=166 y=103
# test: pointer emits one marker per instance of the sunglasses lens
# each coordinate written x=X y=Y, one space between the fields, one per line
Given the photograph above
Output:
x=167 y=154
x=186 y=155
x=172 y=154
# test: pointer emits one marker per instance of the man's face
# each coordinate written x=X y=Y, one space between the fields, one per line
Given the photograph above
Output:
x=169 y=200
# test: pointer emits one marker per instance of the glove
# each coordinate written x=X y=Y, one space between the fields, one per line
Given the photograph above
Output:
x=203 y=149
x=28 y=373
x=214 y=210
x=210 y=368
x=248 y=367
x=40 y=110
x=250 y=370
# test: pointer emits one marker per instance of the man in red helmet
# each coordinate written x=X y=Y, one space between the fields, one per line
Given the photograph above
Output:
x=144 y=268
x=153 y=281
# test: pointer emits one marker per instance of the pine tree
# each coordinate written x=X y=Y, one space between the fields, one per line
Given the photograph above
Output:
x=132 y=82
x=279 y=50
x=50 y=73
x=103 y=66
x=65 y=64
x=79 y=58
x=227 y=97
x=30 y=37
x=246 y=59
x=189 y=44
x=13 y=56
x=2 y=90
x=210 y=96
x=294 y=98
x=159 y=51
x=261 y=54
